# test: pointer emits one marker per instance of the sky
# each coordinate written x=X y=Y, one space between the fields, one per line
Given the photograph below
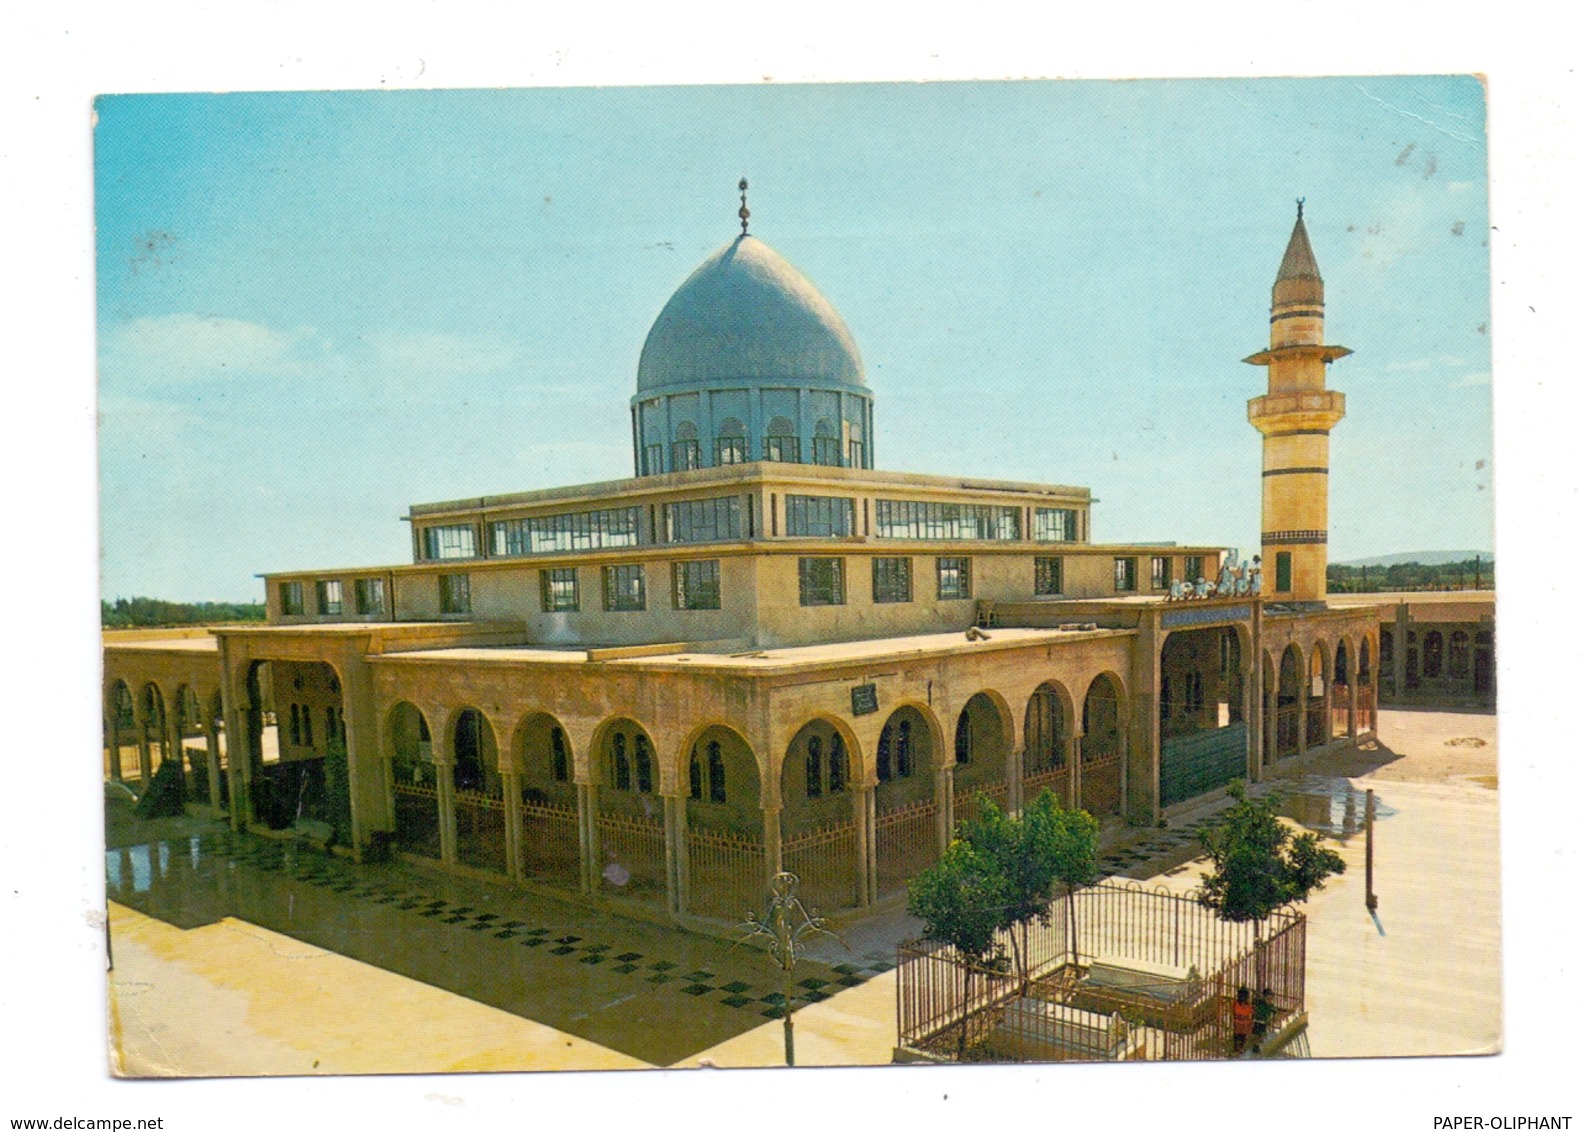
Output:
x=316 y=309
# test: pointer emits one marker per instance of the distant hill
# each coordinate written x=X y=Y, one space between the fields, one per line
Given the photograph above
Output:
x=1426 y=557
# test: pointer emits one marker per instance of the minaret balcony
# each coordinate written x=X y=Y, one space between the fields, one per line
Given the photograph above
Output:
x=1281 y=411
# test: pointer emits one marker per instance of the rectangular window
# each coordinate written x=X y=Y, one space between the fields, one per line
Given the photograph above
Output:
x=911 y=519
x=1054 y=524
x=821 y=581
x=558 y=589
x=370 y=594
x=456 y=595
x=624 y=588
x=731 y=450
x=1193 y=568
x=573 y=530
x=1126 y=575
x=653 y=460
x=892 y=580
x=329 y=595
x=1047 y=577
x=1283 y=571
x=955 y=578
x=783 y=449
x=291 y=598
x=455 y=541
x=684 y=455
x=696 y=584
x=827 y=450
x=854 y=453
x=819 y=516
x=1160 y=572
x=704 y=520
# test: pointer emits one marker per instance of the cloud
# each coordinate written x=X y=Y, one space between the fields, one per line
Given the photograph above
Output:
x=177 y=350
x=185 y=347
x=1471 y=380
x=435 y=354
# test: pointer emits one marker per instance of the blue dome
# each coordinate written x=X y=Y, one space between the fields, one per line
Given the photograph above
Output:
x=746 y=317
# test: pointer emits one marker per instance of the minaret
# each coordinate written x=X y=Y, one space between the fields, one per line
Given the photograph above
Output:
x=1296 y=417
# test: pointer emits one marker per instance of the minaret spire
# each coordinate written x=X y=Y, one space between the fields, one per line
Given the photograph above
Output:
x=743 y=213
x=1296 y=416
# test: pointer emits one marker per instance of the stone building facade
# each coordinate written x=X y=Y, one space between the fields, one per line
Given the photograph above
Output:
x=754 y=655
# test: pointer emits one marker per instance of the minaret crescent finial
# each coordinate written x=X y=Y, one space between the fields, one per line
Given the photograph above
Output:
x=742 y=187
x=1300 y=207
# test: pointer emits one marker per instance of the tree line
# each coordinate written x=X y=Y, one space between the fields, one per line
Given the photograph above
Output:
x=152 y=613
x=1469 y=574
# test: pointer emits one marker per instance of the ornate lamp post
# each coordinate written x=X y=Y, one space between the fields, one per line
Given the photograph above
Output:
x=785 y=925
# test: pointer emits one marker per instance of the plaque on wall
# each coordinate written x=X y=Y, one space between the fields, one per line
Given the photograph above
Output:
x=865 y=699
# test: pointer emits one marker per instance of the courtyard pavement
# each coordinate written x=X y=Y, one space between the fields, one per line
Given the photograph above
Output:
x=239 y=955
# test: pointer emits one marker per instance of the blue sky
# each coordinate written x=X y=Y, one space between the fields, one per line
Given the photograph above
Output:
x=316 y=309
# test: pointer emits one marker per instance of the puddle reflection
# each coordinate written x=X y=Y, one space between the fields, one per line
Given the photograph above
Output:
x=1332 y=806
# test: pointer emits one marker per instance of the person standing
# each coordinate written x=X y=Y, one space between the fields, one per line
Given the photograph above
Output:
x=1241 y=1021
x=1263 y=1016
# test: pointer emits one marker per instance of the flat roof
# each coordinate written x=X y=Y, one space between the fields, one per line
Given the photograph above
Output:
x=769 y=660
x=757 y=471
x=1416 y=597
x=165 y=644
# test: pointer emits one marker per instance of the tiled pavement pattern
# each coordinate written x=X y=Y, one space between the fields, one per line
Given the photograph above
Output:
x=611 y=980
x=617 y=993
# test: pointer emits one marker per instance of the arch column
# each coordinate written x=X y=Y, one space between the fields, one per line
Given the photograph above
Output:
x=511 y=796
x=678 y=881
x=1271 y=720
x=445 y=793
x=211 y=748
x=772 y=842
x=113 y=731
x=863 y=826
x=587 y=838
x=145 y=757
x=945 y=802
x=1352 y=708
x=1253 y=718
x=1074 y=763
x=1302 y=708
x=1014 y=764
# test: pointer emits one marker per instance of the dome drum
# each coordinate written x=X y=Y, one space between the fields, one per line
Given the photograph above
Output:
x=748 y=361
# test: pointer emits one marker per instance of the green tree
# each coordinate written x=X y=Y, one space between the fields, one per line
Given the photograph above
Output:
x=960 y=899
x=1045 y=846
x=1258 y=864
x=1073 y=840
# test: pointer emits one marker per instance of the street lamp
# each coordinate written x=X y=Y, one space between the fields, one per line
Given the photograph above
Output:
x=785 y=925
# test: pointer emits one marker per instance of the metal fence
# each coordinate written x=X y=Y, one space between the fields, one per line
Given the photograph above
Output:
x=1366 y=709
x=906 y=842
x=967 y=805
x=1101 y=784
x=726 y=873
x=1056 y=780
x=826 y=863
x=480 y=831
x=1121 y=973
x=632 y=851
x=417 y=819
x=549 y=841
x=1198 y=762
x=1287 y=724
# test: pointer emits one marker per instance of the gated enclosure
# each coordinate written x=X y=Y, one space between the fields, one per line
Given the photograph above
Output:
x=1125 y=974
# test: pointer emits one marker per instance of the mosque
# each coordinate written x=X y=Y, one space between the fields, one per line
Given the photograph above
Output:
x=760 y=652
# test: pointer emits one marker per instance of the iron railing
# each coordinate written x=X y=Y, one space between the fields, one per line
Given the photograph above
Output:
x=1121 y=973
x=726 y=873
x=906 y=841
x=826 y=863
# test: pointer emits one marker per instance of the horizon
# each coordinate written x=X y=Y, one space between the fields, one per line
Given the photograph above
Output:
x=318 y=309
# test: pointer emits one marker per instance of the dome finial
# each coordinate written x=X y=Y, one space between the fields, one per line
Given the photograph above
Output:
x=742 y=187
x=1300 y=207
